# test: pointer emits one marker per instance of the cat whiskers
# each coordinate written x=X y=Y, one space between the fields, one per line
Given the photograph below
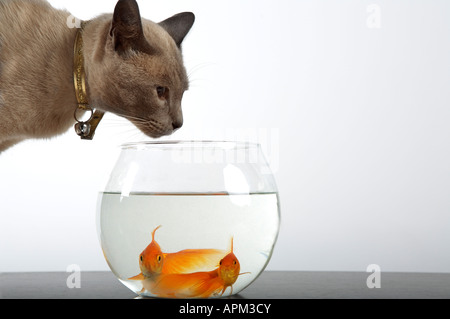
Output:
x=134 y=118
x=196 y=69
x=155 y=126
x=122 y=129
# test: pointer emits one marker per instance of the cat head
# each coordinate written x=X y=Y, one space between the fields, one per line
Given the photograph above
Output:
x=139 y=71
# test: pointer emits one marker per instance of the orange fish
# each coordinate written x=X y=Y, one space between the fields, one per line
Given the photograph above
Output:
x=153 y=262
x=198 y=284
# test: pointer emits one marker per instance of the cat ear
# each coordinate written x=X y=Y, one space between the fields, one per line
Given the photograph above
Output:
x=178 y=26
x=126 y=28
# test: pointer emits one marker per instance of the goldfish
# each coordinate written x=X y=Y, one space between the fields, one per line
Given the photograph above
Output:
x=198 y=284
x=153 y=262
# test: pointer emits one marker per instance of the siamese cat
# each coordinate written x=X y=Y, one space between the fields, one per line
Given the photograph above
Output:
x=133 y=68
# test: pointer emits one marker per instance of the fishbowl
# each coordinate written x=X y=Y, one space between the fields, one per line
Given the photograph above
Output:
x=189 y=219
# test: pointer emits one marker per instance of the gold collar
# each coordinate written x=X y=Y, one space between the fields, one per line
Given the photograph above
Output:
x=84 y=129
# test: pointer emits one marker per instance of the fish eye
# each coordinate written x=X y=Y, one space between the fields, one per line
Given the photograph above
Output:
x=220 y=263
x=234 y=262
x=158 y=258
x=141 y=258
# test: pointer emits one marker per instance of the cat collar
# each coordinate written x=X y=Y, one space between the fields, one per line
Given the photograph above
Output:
x=84 y=129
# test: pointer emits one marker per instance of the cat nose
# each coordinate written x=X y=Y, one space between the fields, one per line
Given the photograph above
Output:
x=177 y=124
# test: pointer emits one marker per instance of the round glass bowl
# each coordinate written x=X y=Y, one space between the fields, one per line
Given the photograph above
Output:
x=191 y=219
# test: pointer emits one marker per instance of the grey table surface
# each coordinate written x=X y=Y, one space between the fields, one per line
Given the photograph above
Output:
x=270 y=285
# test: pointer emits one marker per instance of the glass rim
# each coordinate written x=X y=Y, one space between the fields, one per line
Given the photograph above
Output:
x=190 y=144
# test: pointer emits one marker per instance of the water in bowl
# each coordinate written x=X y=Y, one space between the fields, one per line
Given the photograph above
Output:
x=188 y=221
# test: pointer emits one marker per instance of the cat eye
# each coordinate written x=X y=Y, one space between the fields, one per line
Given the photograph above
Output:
x=162 y=92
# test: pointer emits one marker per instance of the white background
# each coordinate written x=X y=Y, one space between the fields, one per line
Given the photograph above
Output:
x=353 y=114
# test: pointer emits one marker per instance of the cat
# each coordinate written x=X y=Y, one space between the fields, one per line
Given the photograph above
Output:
x=134 y=69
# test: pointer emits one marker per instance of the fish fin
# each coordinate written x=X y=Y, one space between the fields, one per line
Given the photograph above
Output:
x=225 y=288
x=180 y=285
x=154 y=231
x=137 y=277
x=209 y=287
x=192 y=260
